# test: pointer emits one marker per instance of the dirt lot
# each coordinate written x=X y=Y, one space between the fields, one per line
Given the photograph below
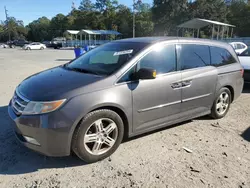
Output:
x=220 y=149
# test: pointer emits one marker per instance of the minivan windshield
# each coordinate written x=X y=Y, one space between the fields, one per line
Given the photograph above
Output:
x=107 y=58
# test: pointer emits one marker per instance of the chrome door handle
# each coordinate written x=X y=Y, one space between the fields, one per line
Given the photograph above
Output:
x=186 y=83
x=176 y=85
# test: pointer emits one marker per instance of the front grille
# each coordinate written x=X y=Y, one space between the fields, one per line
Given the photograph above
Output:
x=18 y=103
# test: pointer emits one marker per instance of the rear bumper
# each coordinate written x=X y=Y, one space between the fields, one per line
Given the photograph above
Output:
x=50 y=141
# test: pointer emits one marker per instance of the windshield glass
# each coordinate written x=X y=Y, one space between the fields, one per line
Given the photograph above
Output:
x=106 y=59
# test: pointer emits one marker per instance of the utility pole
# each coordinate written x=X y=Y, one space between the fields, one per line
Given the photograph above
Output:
x=133 y=18
x=139 y=2
x=7 y=20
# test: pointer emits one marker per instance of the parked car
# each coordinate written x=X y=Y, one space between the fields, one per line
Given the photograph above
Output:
x=57 y=43
x=20 y=42
x=244 y=58
x=47 y=43
x=122 y=89
x=34 y=46
x=11 y=44
x=239 y=47
x=2 y=45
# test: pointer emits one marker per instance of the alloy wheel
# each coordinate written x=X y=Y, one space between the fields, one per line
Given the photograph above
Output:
x=100 y=136
x=222 y=103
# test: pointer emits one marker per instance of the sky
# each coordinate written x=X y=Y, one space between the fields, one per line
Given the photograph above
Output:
x=29 y=10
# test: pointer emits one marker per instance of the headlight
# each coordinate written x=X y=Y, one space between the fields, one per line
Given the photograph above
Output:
x=42 y=107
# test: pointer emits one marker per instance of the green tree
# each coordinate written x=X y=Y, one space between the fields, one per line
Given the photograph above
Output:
x=144 y=23
x=1 y=28
x=167 y=14
x=103 y=5
x=239 y=15
x=39 y=30
x=58 y=25
x=86 y=5
x=124 y=21
x=14 y=29
x=209 y=9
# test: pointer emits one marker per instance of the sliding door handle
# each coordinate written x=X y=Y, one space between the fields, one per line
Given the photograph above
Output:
x=186 y=83
x=176 y=85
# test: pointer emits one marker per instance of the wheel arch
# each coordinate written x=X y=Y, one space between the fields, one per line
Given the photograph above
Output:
x=231 y=89
x=121 y=113
x=114 y=108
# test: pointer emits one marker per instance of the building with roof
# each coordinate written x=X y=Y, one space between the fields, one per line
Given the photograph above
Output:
x=219 y=30
x=90 y=37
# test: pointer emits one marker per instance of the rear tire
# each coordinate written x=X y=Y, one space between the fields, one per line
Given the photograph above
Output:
x=98 y=135
x=221 y=103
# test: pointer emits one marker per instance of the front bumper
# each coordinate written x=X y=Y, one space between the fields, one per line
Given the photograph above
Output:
x=51 y=131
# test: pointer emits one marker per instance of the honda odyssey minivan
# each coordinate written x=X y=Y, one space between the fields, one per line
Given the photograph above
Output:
x=122 y=89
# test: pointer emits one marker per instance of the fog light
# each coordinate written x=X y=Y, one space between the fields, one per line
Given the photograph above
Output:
x=31 y=140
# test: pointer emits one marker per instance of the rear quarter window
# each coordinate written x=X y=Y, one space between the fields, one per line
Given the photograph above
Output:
x=221 y=56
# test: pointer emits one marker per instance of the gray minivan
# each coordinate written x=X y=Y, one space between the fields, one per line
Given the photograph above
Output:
x=122 y=89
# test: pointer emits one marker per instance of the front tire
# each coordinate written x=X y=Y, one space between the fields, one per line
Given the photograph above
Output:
x=221 y=103
x=98 y=135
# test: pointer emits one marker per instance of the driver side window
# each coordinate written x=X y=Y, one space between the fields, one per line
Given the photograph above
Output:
x=162 y=60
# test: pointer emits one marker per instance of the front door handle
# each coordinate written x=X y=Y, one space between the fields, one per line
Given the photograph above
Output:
x=176 y=85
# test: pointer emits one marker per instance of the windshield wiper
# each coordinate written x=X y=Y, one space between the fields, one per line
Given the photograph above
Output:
x=83 y=70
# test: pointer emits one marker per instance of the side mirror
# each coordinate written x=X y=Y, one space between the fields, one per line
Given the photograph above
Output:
x=145 y=74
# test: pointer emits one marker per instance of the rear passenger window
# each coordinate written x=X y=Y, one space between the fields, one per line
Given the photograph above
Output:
x=194 y=56
x=220 y=57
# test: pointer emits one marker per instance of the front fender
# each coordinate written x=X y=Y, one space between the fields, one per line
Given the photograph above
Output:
x=118 y=97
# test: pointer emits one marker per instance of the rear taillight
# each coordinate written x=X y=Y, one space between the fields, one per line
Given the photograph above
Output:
x=242 y=72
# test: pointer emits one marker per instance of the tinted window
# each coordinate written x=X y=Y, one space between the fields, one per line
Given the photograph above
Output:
x=220 y=56
x=163 y=60
x=194 y=56
x=245 y=53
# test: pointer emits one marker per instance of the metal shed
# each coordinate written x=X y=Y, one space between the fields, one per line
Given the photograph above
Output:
x=92 y=37
x=197 y=24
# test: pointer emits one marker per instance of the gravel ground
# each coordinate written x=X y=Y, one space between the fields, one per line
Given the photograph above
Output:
x=219 y=156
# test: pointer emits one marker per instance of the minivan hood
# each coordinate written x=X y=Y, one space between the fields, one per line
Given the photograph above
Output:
x=54 y=83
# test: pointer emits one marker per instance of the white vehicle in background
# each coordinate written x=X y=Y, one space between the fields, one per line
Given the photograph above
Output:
x=34 y=46
x=4 y=46
x=244 y=58
x=239 y=47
